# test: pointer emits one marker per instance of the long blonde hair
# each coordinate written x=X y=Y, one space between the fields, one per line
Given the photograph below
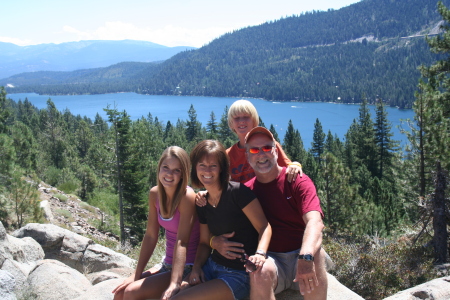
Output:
x=183 y=158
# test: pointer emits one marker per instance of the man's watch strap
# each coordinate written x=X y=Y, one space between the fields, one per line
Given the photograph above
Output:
x=307 y=257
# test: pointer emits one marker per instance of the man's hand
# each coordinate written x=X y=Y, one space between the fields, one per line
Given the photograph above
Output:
x=200 y=198
x=226 y=248
x=306 y=276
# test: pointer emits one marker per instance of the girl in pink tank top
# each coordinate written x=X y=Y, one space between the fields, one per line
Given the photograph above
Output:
x=172 y=206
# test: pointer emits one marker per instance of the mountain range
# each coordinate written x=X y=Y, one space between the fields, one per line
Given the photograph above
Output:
x=371 y=49
x=73 y=56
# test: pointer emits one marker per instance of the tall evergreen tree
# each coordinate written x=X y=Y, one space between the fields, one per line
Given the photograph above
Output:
x=211 y=127
x=365 y=150
x=385 y=146
x=293 y=144
x=120 y=129
x=226 y=136
x=318 y=143
x=335 y=192
x=4 y=111
x=274 y=132
x=193 y=126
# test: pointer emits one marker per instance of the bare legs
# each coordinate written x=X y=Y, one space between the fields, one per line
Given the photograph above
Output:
x=264 y=282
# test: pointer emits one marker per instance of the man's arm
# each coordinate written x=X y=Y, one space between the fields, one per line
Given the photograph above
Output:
x=311 y=244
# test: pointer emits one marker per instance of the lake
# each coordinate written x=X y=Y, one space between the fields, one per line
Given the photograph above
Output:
x=334 y=117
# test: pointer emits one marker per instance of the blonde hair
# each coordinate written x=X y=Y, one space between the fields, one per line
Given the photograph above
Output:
x=183 y=158
x=242 y=107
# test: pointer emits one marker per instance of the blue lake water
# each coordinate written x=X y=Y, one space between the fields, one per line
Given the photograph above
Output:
x=334 y=117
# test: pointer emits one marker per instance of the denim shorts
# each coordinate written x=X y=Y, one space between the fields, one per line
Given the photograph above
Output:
x=165 y=267
x=286 y=263
x=238 y=281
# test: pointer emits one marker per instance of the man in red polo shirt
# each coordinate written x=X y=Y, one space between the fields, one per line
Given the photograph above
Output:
x=295 y=257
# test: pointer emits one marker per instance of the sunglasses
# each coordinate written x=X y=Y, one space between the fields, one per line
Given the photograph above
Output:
x=251 y=267
x=255 y=150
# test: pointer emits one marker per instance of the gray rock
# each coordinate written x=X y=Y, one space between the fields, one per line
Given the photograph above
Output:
x=101 y=291
x=7 y=285
x=3 y=234
x=45 y=205
x=19 y=272
x=53 y=280
x=98 y=277
x=98 y=258
x=58 y=243
x=436 y=289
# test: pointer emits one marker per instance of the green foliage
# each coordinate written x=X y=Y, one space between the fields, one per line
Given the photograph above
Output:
x=318 y=143
x=61 y=197
x=24 y=199
x=293 y=144
x=65 y=213
x=376 y=268
x=107 y=201
x=4 y=111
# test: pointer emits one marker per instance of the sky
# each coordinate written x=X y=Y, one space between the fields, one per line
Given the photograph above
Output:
x=166 y=22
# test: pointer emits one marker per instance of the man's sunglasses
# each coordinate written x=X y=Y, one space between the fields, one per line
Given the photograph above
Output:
x=255 y=150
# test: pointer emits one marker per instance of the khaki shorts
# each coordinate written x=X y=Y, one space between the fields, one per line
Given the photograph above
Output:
x=286 y=264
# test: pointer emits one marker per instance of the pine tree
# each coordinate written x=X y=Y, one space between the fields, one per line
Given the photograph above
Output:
x=274 y=132
x=365 y=147
x=211 y=127
x=335 y=192
x=120 y=130
x=226 y=136
x=385 y=146
x=4 y=111
x=318 y=143
x=193 y=126
x=293 y=144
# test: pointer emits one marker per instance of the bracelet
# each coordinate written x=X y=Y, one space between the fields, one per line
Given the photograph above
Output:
x=210 y=242
x=295 y=164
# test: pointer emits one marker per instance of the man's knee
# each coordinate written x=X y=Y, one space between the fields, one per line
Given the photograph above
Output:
x=264 y=278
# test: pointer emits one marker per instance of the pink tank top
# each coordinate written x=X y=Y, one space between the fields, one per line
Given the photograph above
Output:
x=171 y=227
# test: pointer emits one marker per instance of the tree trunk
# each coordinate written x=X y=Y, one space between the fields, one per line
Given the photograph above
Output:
x=439 y=222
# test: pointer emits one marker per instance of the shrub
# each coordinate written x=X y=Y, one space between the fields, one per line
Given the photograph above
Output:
x=69 y=186
x=376 y=268
x=65 y=213
x=61 y=197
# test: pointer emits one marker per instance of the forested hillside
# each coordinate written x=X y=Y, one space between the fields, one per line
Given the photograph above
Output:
x=372 y=49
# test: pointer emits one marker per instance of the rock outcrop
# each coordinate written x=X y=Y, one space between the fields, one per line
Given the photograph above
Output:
x=44 y=261
x=436 y=289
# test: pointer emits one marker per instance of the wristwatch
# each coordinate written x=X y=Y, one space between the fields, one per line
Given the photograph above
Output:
x=307 y=257
x=261 y=252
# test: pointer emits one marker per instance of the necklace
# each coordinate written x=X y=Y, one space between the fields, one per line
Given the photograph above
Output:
x=216 y=200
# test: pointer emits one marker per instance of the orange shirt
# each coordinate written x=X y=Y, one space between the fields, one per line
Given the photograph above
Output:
x=240 y=169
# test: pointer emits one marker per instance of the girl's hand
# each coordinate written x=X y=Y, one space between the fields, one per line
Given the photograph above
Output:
x=171 y=291
x=196 y=277
x=293 y=169
x=124 y=284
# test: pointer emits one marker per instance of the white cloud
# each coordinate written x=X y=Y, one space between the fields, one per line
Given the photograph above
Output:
x=168 y=35
x=15 y=41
